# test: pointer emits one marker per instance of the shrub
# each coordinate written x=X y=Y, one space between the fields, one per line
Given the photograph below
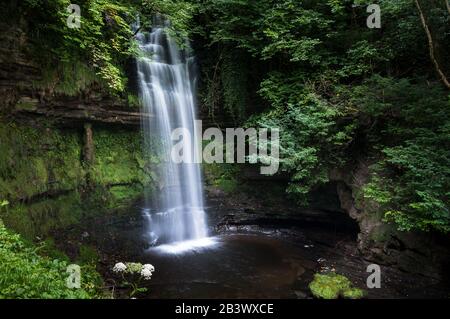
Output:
x=25 y=274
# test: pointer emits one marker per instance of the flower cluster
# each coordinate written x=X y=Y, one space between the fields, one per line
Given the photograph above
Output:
x=134 y=268
x=145 y=270
x=119 y=267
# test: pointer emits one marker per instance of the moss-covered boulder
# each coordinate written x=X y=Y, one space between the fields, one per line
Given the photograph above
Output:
x=333 y=286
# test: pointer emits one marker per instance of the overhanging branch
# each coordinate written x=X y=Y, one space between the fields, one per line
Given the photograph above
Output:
x=431 y=45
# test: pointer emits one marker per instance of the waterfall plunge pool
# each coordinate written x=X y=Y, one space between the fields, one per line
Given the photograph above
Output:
x=260 y=259
x=196 y=245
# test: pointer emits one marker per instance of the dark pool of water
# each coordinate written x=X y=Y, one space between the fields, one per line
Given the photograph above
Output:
x=237 y=266
x=265 y=258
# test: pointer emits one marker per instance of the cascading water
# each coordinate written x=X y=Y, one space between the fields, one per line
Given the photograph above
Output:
x=166 y=78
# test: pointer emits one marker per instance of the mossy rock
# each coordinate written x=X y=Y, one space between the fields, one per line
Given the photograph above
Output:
x=353 y=293
x=333 y=286
x=27 y=104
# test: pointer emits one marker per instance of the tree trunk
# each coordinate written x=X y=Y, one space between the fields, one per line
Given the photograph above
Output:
x=88 y=152
x=431 y=45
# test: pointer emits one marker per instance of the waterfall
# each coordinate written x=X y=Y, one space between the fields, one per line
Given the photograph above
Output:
x=166 y=78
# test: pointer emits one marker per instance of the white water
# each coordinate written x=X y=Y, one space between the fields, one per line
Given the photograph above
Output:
x=166 y=76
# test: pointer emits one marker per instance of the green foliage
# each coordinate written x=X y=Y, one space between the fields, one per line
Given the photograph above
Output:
x=103 y=41
x=68 y=78
x=309 y=141
x=222 y=176
x=73 y=59
x=48 y=248
x=88 y=255
x=411 y=127
x=333 y=286
x=133 y=101
x=234 y=78
x=25 y=274
x=339 y=91
x=178 y=12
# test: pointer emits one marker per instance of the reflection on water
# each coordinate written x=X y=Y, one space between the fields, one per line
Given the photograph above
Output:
x=223 y=266
x=196 y=245
x=273 y=261
x=238 y=266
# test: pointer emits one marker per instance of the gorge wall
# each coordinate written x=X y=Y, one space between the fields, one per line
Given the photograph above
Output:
x=61 y=150
x=381 y=242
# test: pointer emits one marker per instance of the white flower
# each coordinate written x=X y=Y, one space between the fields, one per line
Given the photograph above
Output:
x=148 y=266
x=119 y=267
x=146 y=273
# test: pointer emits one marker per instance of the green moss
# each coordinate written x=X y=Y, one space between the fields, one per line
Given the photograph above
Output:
x=333 y=286
x=36 y=160
x=119 y=159
x=227 y=185
x=43 y=179
x=353 y=293
x=67 y=78
x=39 y=160
x=26 y=105
x=121 y=196
x=40 y=218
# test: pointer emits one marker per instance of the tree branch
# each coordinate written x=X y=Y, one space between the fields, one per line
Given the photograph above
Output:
x=431 y=45
x=137 y=31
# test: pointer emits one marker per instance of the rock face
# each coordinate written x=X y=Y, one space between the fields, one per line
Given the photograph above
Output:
x=43 y=154
x=76 y=110
x=22 y=98
x=416 y=252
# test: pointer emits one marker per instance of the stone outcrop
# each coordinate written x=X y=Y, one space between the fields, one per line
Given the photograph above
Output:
x=21 y=98
x=75 y=110
x=416 y=252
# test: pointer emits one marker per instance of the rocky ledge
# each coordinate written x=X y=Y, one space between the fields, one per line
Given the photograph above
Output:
x=23 y=98
x=73 y=110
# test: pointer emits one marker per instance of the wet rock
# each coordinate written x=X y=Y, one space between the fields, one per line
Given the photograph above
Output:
x=23 y=99
x=382 y=243
x=300 y=294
